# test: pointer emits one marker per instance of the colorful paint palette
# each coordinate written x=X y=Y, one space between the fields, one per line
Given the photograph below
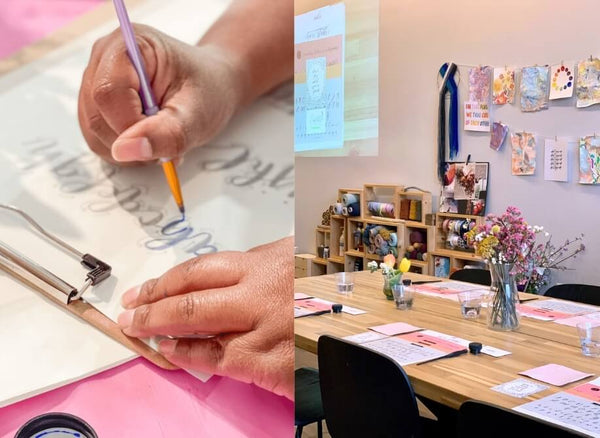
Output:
x=562 y=81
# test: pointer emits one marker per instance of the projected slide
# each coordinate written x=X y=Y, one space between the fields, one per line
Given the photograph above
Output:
x=319 y=79
x=335 y=91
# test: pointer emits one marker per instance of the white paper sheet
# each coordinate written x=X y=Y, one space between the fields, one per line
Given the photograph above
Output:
x=238 y=192
x=556 y=160
x=566 y=410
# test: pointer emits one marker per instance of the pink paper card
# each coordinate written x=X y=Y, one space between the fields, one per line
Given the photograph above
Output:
x=554 y=374
x=301 y=296
x=541 y=313
x=138 y=399
x=431 y=341
x=26 y=21
x=589 y=390
x=395 y=328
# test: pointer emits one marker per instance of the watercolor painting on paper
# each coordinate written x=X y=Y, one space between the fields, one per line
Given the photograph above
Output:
x=479 y=83
x=504 y=86
x=588 y=82
x=523 y=153
x=499 y=131
x=534 y=88
x=589 y=160
x=562 y=81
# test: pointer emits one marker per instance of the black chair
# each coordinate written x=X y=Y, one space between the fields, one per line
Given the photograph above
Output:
x=582 y=293
x=308 y=405
x=365 y=394
x=477 y=276
x=478 y=419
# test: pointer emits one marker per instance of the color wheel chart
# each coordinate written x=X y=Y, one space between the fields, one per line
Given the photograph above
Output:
x=563 y=80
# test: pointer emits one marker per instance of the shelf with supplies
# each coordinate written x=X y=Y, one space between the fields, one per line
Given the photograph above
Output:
x=350 y=242
x=350 y=200
x=451 y=250
x=414 y=205
x=419 y=241
x=381 y=201
x=384 y=237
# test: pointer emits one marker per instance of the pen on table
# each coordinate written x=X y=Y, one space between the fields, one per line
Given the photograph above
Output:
x=147 y=96
x=453 y=354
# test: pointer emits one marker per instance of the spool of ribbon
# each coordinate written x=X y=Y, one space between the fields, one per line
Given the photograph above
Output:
x=379 y=241
x=382 y=209
x=447 y=72
x=393 y=239
x=337 y=208
x=345 y=211
x=354 y=209
x=349 y=198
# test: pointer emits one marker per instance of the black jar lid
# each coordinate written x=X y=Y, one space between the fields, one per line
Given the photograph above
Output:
x=337 y=308
x=475 y=347
x=56 y=425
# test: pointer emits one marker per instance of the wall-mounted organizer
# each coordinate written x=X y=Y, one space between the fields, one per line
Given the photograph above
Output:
x=381 y=201
x=451 y=251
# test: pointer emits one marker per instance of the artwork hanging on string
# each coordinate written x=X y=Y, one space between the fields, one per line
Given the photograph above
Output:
x=464 y=190
x=562 y=81
x=499 y=131
x=523 y=153
x=477 y=116
x=534 y=88
x=504 y=86
x=479 y=83
x=589 y=160
x=588 y=82
x=556 y=162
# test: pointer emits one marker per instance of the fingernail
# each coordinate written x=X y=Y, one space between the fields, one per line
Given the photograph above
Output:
x=167 y=347
x=125 y=319
x=132 y=149
x=130 y=297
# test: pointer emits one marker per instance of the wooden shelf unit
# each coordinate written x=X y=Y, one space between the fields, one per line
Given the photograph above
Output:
x=404 y=200
x=357 y=192
x=337 y=227
x=352 y=224
x=381 y=193
x=394 y=227
x=429 y=230
x=458 y=258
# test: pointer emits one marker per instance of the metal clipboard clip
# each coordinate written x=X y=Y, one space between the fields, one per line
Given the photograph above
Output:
x=97 y=269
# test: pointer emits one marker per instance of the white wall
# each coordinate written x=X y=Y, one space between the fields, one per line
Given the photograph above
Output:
x=416 y=37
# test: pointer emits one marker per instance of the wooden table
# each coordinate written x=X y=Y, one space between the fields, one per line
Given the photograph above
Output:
x=454 y=380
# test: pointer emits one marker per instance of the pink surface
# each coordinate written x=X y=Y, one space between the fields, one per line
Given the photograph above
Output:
x=395 y=328
x=23 y=22
x=553 y=374
x=138 y=399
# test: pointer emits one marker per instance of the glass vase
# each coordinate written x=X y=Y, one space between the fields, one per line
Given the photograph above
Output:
x=502 y=308
x=387 y=289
